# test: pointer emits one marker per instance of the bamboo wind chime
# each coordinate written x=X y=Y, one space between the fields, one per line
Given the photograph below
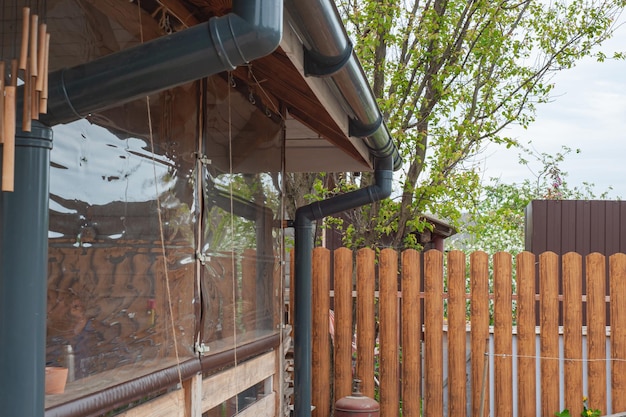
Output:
x=31 y=66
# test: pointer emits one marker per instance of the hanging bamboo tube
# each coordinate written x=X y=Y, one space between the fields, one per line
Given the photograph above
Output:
x=34 y=99
x=8 y=151
x=43 y=100
x=26 y=110
x=14 y=68
x=34 y=19
x=41 y=56
x=2 y=71
x=25 y=31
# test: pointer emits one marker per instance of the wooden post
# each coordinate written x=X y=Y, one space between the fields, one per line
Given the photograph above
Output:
x=366 y=326
x=320 y=357
x=526 y=392
x=479 y=313
x=433 y=333
x=343 y=322
x=617 y=265
x=596 y=331
x=388 y=310
x=411 y=334
x=572 y=332
x=549 y=339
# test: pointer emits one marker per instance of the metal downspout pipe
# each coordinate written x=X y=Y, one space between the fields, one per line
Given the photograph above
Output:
x=304 y=233
x=252 y=30
x=328 y=53
x=23 y=276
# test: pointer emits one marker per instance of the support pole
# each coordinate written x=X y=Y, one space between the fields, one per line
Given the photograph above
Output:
x=23 y=276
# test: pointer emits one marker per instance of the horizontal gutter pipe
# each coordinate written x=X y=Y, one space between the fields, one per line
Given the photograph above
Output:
x=252 y=30
x=328 y=53
x=304 y=233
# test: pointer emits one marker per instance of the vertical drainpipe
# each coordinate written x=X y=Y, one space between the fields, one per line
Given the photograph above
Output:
x=304 y=233
x=23 y=276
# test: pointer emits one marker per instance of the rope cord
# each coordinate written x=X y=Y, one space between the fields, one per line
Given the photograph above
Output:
x=161 y=233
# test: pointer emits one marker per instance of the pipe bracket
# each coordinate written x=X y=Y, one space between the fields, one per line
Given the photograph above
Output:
x=318 y=65
x=360 y=130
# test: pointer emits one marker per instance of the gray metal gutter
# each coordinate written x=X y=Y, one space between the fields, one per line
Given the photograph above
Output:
x=252 y=30
x=328 y=53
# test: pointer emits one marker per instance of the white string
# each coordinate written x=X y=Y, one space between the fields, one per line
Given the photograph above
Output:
x=232 y=225
x=506 y=355
x=161 y=233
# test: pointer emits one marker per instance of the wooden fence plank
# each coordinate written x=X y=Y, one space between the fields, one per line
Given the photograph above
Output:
x=388 y=311
x=433 y=333
x=343 y=322
x=411 y=334
x=479 y=314
x=365 y=320
x=617 y=265
x=549 y=339
x=457 y=316
x=572 y=331
x=248 y=290
x=596 y=331
x=526 y=362
x=503 y=335
x=320 y=355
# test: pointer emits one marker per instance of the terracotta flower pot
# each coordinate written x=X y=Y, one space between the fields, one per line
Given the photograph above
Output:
x=56 y=378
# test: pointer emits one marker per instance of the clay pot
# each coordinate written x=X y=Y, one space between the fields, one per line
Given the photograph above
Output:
x=56 y=377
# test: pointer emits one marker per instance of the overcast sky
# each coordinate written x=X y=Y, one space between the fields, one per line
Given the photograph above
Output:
x=588 y=112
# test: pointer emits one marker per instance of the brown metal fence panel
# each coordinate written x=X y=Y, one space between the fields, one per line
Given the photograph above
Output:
x=388 y=312
x=411 y=334
x=596 y=331
x=343 y=322
x=618 y=331
x=526 y=340
x=479 y=316
x=320 y=356
x=457 y=315
x=365 y=319
x=572 y=332
x=433 y=334
x=549 y=338
x=503 y=334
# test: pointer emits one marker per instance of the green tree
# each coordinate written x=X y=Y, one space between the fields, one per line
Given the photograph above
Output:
x=497 y=221
x=450 y=76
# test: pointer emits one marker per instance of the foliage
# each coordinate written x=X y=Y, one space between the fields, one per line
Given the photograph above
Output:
x=450 y=76
x=587 y=412
x=496 y=222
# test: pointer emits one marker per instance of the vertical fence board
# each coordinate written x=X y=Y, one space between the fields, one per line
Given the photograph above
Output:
x=388 y=306
x=343 y=322
x=549 y=339
x=526 y=362
x=457 y=390
x=572 y=331
x=433 y=333
x=503 y=334
x=596 y=331
x=320 y=356
x=365 y=321
x=617 y=264
x=411 y=332
x=248 y=289
x=479 y=313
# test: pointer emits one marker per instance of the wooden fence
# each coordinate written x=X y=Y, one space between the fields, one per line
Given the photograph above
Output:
x=479 y=347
